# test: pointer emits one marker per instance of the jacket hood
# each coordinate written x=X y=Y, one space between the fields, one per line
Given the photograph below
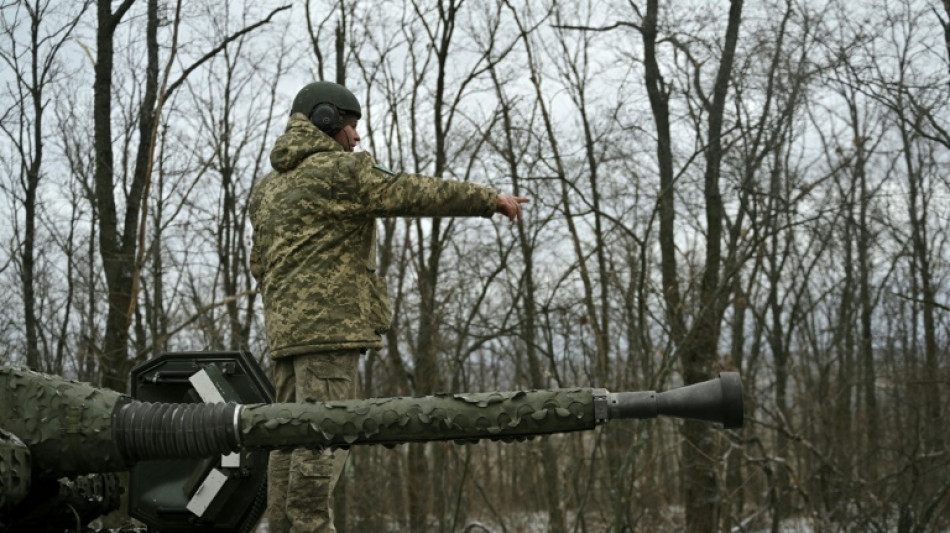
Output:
x=300 y=140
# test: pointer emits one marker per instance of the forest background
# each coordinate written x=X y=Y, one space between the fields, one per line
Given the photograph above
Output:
x=715 y=186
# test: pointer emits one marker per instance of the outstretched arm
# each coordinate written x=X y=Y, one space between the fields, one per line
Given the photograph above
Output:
x=384 y=193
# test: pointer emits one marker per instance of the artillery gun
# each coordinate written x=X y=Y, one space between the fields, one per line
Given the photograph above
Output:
x=197 y=428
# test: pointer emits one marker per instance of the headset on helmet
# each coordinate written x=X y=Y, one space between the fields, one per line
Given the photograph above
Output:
x=325 y=104
x=327 y=118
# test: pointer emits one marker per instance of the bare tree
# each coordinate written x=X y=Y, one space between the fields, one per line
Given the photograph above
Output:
x=35 y=63
x=117 y=243
x=121 y=247
x=510 y=148
x=697 y=342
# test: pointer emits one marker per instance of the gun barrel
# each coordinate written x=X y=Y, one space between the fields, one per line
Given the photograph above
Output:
x=459 y=417
x=73 y=428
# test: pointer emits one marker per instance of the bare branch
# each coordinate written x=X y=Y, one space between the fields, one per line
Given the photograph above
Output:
x=184 y=75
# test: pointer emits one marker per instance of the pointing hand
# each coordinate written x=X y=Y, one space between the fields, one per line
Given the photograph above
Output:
x=510 y=206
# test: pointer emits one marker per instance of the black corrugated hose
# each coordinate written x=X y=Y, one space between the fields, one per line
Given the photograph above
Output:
x=145 y=430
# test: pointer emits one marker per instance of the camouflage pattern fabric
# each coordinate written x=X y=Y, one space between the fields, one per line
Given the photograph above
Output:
x=300 y=482
x=314 y=250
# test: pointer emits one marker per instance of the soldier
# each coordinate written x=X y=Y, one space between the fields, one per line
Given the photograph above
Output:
x=314 y=258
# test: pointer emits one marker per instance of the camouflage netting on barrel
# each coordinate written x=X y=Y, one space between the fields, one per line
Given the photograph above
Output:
x=14 y=470
x=66 y=424
x=462 y=417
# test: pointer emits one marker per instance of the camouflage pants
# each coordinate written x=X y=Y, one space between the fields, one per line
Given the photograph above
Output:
x=300 y=482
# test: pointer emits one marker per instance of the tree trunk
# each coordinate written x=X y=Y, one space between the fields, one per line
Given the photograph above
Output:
x=918 y=215
x=27 y=274
x=698 y=345
x=115 y=247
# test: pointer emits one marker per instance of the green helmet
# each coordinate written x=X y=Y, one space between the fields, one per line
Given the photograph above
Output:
x=326 y=92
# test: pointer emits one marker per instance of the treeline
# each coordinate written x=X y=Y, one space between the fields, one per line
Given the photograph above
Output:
x=757 y=187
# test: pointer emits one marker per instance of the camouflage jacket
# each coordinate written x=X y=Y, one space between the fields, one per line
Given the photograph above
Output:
x=314 y=249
